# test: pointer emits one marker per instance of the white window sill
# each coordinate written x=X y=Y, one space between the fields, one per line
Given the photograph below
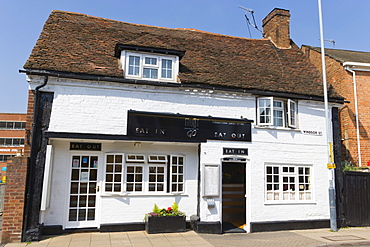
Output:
x=275 y=128
x=140 y=194
x=288 y=202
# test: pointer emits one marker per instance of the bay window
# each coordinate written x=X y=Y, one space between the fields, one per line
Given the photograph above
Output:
x=276 y=112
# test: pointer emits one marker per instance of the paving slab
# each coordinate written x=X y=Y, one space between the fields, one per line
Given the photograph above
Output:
x=359 y=236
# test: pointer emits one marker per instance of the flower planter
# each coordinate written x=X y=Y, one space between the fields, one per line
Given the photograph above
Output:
x=165 y=224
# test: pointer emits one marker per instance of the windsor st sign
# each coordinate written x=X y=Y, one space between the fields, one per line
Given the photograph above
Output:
x=186 y=127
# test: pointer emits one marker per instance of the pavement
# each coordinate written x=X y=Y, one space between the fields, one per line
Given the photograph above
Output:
x=357 y=236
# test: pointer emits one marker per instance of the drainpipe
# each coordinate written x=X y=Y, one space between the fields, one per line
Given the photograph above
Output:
x=357 y=118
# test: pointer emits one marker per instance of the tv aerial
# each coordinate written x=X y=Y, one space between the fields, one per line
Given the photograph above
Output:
x=253 y=22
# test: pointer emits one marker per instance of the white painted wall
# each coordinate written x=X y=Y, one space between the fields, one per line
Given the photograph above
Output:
x=120 y=208
x=97 y=107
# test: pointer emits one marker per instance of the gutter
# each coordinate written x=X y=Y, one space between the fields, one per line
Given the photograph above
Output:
x=178 y=85
x=346 y=66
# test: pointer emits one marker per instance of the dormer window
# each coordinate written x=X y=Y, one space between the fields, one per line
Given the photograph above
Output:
x=149 y=66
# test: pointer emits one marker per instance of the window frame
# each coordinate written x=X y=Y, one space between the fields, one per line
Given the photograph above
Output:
x=125 y=60
x=145 y=161
x=11 y=125
x=268 y=123
x=290 y=114
x=277 y=188
x=4 y=142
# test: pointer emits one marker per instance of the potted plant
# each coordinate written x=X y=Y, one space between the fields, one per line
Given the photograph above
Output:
x=165 y=220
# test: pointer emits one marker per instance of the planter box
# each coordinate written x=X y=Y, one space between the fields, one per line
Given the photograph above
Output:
x=165 y=224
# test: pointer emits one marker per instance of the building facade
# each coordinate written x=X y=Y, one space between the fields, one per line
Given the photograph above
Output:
x=131 y=115
x=12 y=135
x=348 y=72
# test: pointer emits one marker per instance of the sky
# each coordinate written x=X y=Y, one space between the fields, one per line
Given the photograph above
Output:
x=21 y=22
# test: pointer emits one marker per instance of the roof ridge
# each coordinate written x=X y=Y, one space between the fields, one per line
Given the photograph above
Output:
x=152 y=26
x=336 y=49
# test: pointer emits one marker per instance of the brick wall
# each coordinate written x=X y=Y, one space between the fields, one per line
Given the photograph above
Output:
x=16 y=185
x=29 y=123
x=342 y=81
x=276 y=26
x=14 y=200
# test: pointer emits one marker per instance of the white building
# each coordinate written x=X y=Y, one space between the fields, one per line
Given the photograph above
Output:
x=232 y=129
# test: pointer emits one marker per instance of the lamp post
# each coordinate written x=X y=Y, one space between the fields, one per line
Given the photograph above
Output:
x=333 y=213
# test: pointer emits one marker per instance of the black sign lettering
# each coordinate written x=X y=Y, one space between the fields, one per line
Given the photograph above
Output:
x=85 y=146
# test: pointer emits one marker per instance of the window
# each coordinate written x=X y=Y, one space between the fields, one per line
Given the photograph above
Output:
x=150 y=67
x=4 y=157
x=113 y=173
x=177 y=173
x=140 y=173
x=288 y=183
x=11 y=142
x=12 y=125
x=277 y=113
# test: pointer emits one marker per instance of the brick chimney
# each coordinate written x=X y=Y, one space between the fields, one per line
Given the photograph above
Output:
x=276 y=27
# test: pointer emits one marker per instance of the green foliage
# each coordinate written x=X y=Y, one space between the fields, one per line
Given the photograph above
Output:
x=170 y=211
x=175 y=207
x=347 y=166
x=156 y=209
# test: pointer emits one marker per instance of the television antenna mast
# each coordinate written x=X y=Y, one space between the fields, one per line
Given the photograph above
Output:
x=253 y=24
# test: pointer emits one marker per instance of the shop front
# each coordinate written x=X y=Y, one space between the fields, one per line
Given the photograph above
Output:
x=110 y=182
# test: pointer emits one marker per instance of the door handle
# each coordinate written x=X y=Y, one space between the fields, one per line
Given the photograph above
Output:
x=97 y=188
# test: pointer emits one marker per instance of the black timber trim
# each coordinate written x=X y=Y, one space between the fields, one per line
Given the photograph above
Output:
x=121 y=47
x=207 y=227
x=109 y=137
x=339 y=175
x=288 y=225
x=123 y=227
x=79 y=76
x=196 y=116
x=35 y=170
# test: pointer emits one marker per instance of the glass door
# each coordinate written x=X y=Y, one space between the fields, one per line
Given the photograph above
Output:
x=83 y=185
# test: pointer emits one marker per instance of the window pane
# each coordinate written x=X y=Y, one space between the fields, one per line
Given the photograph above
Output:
x=91 y=214
x=110 y=158
x=134 y=65
x=151 y=60
x=18 y=125
x=278 y=118
x=166 y=68
x=150 y=73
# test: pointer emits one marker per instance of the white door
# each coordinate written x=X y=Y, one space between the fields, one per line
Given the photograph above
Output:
x=83 y=191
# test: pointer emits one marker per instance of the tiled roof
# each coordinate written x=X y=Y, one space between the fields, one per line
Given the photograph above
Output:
x=345 y=55
x=83 y=44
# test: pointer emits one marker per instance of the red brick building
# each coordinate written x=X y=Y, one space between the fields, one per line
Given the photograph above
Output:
x=12 y=133
x=348 y=72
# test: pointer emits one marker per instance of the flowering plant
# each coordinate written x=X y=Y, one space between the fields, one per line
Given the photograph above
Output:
x=170 y=211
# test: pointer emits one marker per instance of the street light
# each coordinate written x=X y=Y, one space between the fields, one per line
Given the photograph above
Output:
x=333 y=213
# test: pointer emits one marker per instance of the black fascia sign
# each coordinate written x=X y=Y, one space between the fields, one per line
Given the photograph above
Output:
x=186 y=127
